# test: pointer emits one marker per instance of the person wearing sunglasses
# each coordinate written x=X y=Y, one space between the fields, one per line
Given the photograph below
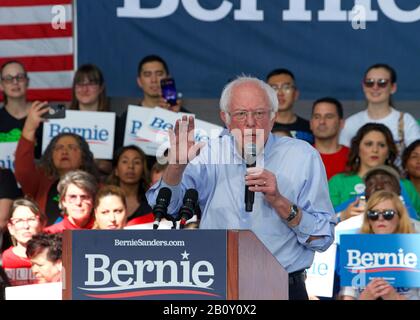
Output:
x=385 y=214
x=14 y=83
x=379 y=84
x=77 y=190
x=26 y=220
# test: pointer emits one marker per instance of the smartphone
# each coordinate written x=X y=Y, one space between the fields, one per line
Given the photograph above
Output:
x=56 y=111
x=169 y=90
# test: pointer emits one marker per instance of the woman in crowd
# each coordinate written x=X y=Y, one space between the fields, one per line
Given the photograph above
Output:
x=77 y=191
x=372 y=146
x=25 y=221
x=110 y=208
x=65 y=152
x=45 y=253
x=411 y=163
x=14 y=82
x=89 y=94
x=131 y=174
x=379 y=84
x=384 y=214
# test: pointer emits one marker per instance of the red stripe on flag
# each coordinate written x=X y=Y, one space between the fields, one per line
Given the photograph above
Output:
x=49 y=94
x=44 y=63
x=24 y=3
x=32 y=31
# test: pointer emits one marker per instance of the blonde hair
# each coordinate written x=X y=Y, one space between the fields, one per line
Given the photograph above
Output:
x=404 y=225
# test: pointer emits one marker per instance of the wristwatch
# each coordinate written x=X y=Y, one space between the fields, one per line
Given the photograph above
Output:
x=293 y=212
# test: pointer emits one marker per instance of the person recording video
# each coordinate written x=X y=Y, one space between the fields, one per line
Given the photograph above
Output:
x=248 y=178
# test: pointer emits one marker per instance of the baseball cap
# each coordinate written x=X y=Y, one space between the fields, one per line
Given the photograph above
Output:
x=382 y=169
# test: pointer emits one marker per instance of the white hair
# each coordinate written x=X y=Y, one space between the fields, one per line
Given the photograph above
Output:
x=226 y=95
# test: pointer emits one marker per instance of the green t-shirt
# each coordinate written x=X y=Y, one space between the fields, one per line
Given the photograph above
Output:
x=344 y=187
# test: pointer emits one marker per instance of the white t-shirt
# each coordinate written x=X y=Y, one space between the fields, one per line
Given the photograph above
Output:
x=354 y=122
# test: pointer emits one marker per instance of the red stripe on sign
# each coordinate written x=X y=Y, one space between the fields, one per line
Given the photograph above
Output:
x=24 y=3
x=49 y=94
x=44 y=63
x=33 y=31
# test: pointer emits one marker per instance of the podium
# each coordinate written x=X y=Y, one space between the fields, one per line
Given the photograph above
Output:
x=170 y=265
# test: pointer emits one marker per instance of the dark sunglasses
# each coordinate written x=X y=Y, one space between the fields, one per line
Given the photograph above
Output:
x=381 y=83
x=386 y=214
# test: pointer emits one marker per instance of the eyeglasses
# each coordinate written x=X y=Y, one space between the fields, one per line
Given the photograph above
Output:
x=19 y=222
x=21 y=77
x=286 y=87
x=72 y=198
x=89 y=84
x=242 y=115
x=386 y=214
x=61 y=147
x=381 y=83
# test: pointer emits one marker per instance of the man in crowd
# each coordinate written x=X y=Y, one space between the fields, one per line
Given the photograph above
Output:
x=326 y=123
x=283 y=82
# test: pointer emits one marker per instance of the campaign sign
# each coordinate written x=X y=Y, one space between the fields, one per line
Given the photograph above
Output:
x=393 y=257
x=158 y=123
x=136 y=116
x=205 y=131
x=97 y=128
x=320 y=276
x=7 y=155
x=149 y=264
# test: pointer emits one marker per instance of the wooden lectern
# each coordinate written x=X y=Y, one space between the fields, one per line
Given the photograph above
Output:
x=251 y=271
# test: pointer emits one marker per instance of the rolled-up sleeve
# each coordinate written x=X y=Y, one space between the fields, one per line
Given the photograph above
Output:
x=318 y=218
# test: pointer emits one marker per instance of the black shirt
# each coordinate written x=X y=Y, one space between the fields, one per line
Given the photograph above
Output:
x=52 y=209
x=8 y=186
x=11 y=130
x=299 y=129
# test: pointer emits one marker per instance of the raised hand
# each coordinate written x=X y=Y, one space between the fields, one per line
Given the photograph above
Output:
x=34 y=119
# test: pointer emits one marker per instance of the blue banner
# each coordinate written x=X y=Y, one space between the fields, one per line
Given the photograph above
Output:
x=149 y=265
x=394 y=257
x=328 y=44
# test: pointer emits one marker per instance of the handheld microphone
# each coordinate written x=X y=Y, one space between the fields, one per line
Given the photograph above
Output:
x=250 y=154
x=188 y=207
x=161 y=207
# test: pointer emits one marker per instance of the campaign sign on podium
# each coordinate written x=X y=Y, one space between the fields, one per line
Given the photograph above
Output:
x=145 y=264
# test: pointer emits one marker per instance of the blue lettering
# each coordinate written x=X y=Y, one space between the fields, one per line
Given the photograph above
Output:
x=54 y=130
x=136 y=125
x=7 y=163
x=86 y=133
x=159 y=123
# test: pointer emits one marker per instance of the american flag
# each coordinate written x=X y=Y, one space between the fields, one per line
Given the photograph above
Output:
x=39 y=33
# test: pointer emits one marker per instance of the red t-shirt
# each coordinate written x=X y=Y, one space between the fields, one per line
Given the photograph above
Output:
x=335 y=162
x=18 y=269
x=66 y=224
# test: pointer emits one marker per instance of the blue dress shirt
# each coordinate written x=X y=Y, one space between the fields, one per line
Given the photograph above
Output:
x=218 y=174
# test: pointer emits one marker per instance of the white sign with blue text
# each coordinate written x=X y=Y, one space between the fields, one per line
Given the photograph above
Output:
x=136 y=117
x=320 y=276
x=7 y=155
x=393 y=257
x=97 y=128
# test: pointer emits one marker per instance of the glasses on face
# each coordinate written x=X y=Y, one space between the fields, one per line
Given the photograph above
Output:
x=87 y=84
x=242 y=115
x=381 y=83
x=61 y=147
x=73 y=198
x=21 y=77
x=20 y=222
x=286 y=87
x=386 y=214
